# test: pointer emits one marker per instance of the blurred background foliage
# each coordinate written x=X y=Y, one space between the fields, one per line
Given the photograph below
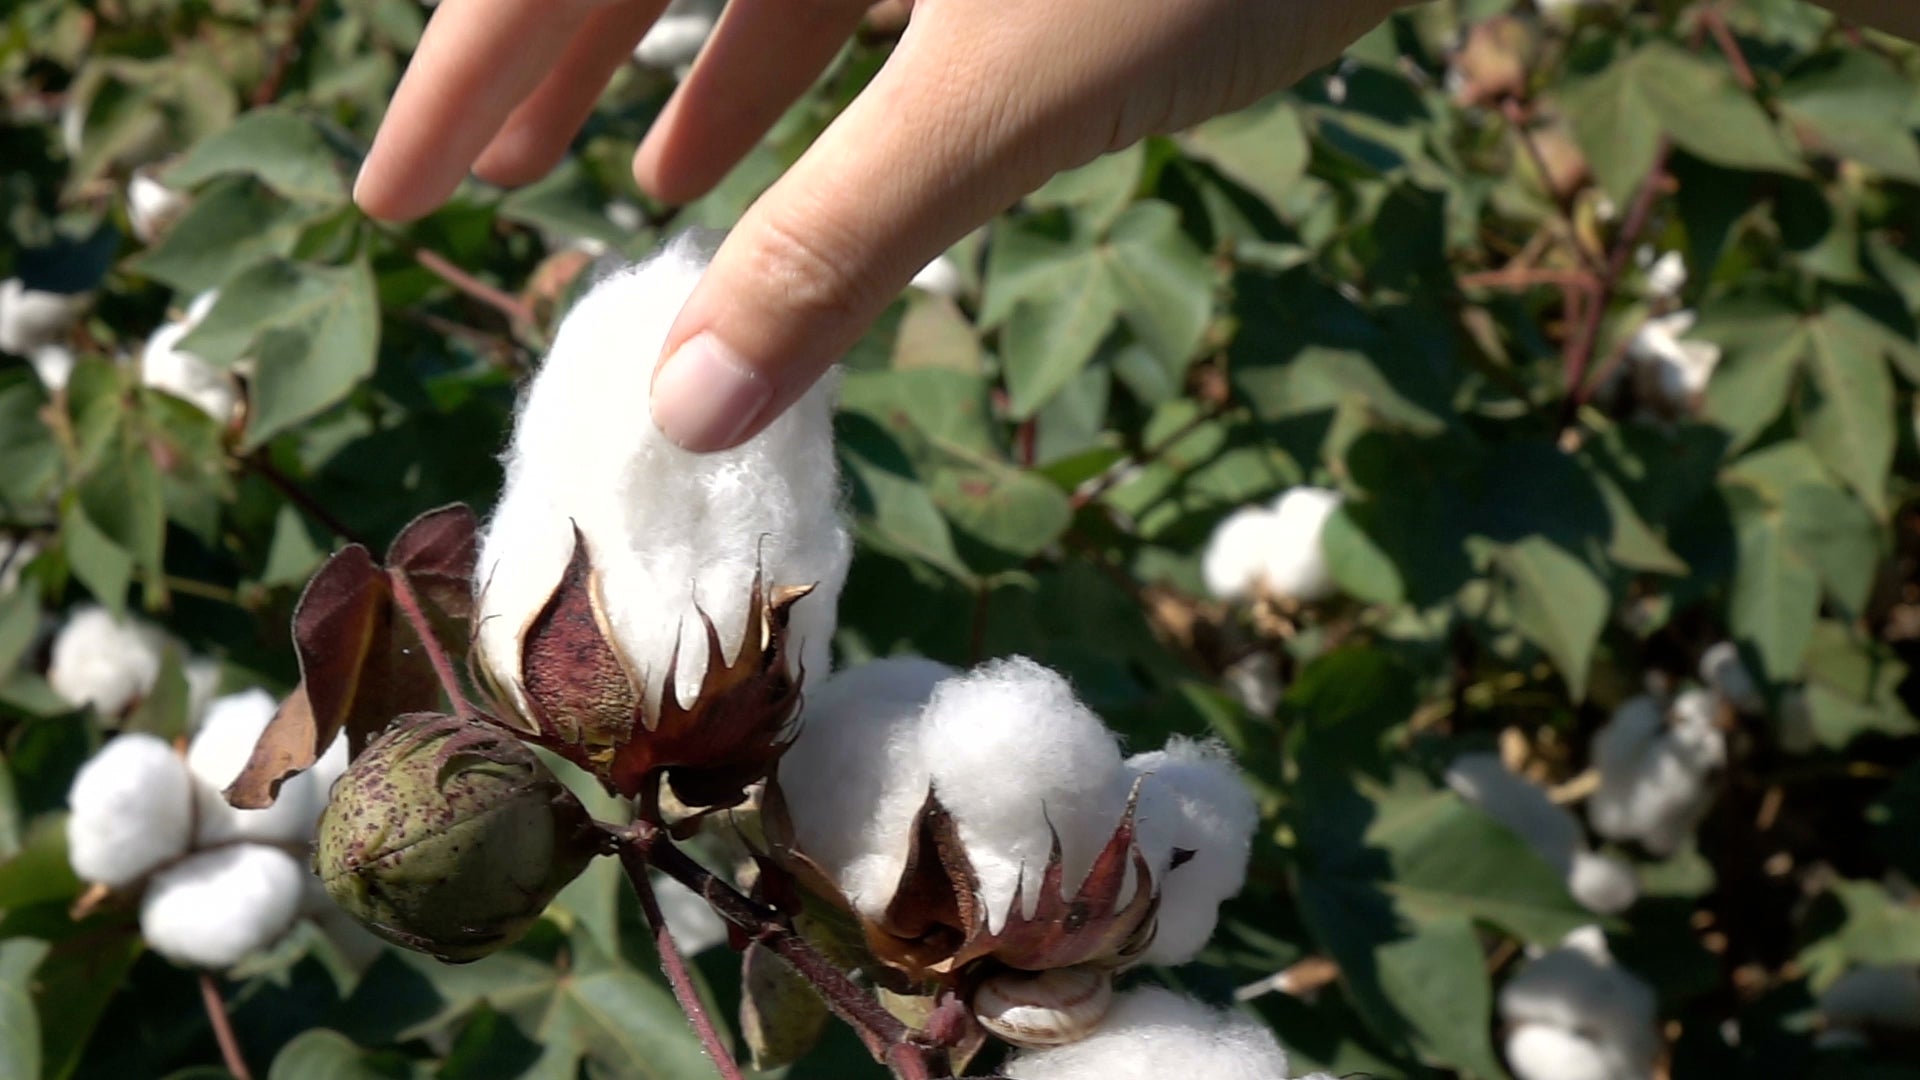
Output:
x=1424 y=277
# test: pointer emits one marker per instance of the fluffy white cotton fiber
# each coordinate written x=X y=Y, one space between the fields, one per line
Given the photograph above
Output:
x=1273 y=550
x=1600 y=883
x=1573 y=1012
x=1656 y=769
x=1156 y=1034
x=103 y=661
x=132 y=809
x=667 y=529
x=1192 y=799
x=210 y=910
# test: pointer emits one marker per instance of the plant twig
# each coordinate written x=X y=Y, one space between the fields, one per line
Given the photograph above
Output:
x=222 y=1026
x=517 y=311
x=283 y=57
x=675 y=966
x=1580 y=346
x=265 y=469
x=1716 y=24
x=1517 y=120
x=891 y=1042
x=409 y=603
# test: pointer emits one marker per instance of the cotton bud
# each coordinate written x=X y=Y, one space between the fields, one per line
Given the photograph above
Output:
x=153 y=207
x=677 y=36
x=1573 y=1013
x=1193 y=801
x=220 y=750
x=1154 y=1034
x=33 y=318
x=105 y=662
x=133 y=808
x=165 y=366
x=1722 y=670
x=449 y=837
x=644 y=611
x=1601 y=884
x=1669 y=371
x=1656 y=769
x=215 y=907
x=1275 y=552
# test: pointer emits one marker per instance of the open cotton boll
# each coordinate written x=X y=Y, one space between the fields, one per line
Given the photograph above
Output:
x=1546 y=1052
x=677 y=37
x=1193 y=799
x=1011 y=750
x=1577 y=988
x=53 y=363
x=1153 y=1034
x=33 y=318
x=103 y=661
x=213 y=909
x=1671 y=371
x=1655 y=777
x=855 y=776
x=152 y=207
x=1885 y=996
x=165 y=366
x=1722 y=669
x=1236 y=556
x=1666 y=273
x=1296 y=567
x=1599 y=883
x=220 y=750
x=941 y=277
x=132 y=809
x=667 y=530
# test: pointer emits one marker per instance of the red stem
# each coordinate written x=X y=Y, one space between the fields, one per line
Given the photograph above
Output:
x=1729 y=47
x=409 y=604
x=1579 y=355
x=269 y=88
x=675 y=965
x=222 y=1027
x=507 y=304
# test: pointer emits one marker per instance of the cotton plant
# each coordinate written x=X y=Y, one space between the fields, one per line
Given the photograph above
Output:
x=215 y=884
x=1601 y=883
x=677 y=36
x=1658 y=761
x=1572 y=1013
x=167 y=367
x=1152 y=1033
x=1273 y=551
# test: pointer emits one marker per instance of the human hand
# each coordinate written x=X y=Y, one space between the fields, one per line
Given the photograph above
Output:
x=981 y=102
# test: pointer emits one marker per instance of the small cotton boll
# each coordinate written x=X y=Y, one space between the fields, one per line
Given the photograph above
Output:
x=165 y=366
x=1671 y=372
x=132 y=809
x=53 y=364
x=1192 y=798
x=941 y=277
x=1875 y=996
x=1545 y=1052
x=1236 y=554
x=1010 y=750
x=33 y=318
x=215 y=908
x=1666 y=274
x=152 y=207
x=1654 y=777
x=1722 y=669
x=1153 y=1034
x=226 y=739
x=690 y=919
x=855 y=776
x=105 y=662
x=1296 y=567
x=667 y=530
x=1602 y=884
x=677 y=37
x=1578 y=988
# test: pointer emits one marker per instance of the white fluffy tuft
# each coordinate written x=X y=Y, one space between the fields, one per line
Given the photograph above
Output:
x=1604 y=1013
x=211 y=910
x=855 y=777
x=1236 y=554
x=103 y=661
x=1670 y=370
x=1722 y=669
x=31 y=319
x=152 y=207
x=667 y=529
x=1546 y=1052
x=132 y=809
x=220 y=750
x=1274 y=549
x=1192 y=798
x=1656 y=775
x=165 y=366
x=1011 y=751
x=1601 y=884
x=676 y=38
x=941 y=277
x=1153 y=1034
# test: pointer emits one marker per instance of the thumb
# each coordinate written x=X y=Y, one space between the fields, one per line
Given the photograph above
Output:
x=934 y=146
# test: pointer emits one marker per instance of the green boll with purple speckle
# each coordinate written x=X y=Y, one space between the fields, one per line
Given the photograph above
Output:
x=449 y=837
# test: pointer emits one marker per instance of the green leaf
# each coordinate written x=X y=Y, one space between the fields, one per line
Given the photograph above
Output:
x=281 y=150
x=1863 y=926
x=1775 y=595
x=103 y=566
x=1559 y=604
x=1011 y=511
x=1853 y=688
x=1263 y=148
x=320 y=1054
x=313 y=332
x=1838 y=537
x=234 y=222
x=625 y=1025
x=19 y=1033
x=1045 y=344
x=29 y=457
x=1848 y=416
x=1840 y=103
x=1100 y=189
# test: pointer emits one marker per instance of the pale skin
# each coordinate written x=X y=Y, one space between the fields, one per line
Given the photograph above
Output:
x=980 y=103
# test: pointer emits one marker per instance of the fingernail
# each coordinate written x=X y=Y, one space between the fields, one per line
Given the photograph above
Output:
x=705 y=396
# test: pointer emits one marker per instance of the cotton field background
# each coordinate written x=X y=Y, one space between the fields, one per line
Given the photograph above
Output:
x=1499 y=449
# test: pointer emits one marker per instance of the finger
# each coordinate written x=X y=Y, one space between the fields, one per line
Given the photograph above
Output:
x=763 y=55
x=537 y=135
x=476 y=61
x=922 y=156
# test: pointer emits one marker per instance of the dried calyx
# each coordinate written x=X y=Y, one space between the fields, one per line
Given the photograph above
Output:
x=448 y=836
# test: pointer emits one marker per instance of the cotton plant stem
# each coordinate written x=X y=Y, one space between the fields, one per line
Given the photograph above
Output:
x=222 y=1026
x=260 y=466
x=1580 y=346
x=409 y=604
x=642 y=845
x=516 y=311
x=675 y=966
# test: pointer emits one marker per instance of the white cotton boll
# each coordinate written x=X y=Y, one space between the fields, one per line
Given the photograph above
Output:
x=855 y=776
x=1296 y=567
x=220 y=750
x=1012 y=750
x=1722 y=669
x=1578 y=988
x=165 y=366
x=153 y=207
x=213 y=909
x=1875 y=996
x=1153 y=1034
x=105 y=662
x=676 y=38
x=1236 y=554
x=941 y=277
x=33 y=318
x=1666 y=273
x=132 y=809
x=667 y=529
x=1671 y=372
x=1545 y=1052
x=1655 y=776
x=53 y=363
x=690 y=919
x=1602 y=884
x=1193 y=799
